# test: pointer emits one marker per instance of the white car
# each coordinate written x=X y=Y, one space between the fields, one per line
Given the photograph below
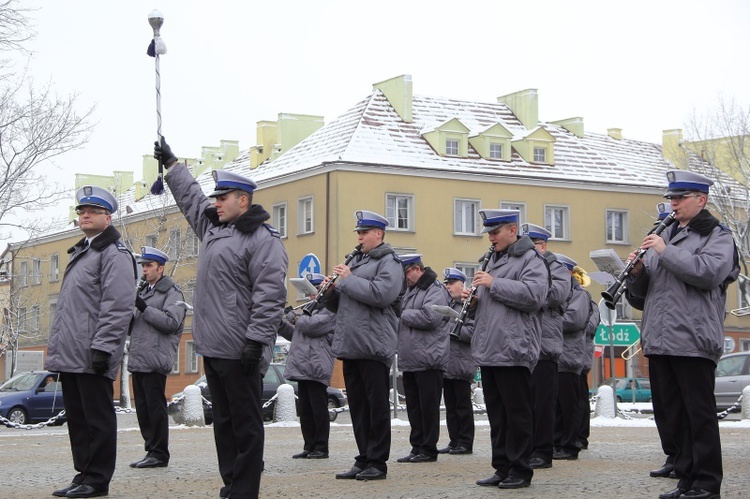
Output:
x=732 y=376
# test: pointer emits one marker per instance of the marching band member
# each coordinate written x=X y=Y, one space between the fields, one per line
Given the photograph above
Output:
x=506 y=343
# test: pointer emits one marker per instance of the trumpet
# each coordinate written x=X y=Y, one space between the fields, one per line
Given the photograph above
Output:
x=309 y=307
x=461 y=320
x=616 y=289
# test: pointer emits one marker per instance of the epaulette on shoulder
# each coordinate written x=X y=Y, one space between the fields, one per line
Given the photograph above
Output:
x=724 y=227
x=272 y=230
x=121 y=247
x=395 y=257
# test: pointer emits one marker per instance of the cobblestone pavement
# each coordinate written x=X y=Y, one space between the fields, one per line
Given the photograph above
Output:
x=35 y=462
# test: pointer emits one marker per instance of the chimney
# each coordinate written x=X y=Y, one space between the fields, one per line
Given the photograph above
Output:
x=573 y=125
x=671 y=147
x=525 y=105
x=615 y=133
x=398 y=91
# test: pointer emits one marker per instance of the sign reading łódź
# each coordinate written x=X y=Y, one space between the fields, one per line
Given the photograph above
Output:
x=625 y=334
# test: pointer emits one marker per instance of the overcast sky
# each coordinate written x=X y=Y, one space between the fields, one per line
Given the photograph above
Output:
x=640 y=66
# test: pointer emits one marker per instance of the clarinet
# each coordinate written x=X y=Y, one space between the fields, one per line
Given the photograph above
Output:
x=615 y=291
x=310 y=306
x=472 y=292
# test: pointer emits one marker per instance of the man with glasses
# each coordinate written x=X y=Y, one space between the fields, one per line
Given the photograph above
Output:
x=682 y=281
x=92 y=318
x=506 y=343
x=544 y=379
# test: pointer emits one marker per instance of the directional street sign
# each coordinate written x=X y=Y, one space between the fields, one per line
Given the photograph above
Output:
x=625 y=334
x=309 y=265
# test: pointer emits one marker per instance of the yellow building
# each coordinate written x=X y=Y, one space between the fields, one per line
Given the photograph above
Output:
x=427 y=164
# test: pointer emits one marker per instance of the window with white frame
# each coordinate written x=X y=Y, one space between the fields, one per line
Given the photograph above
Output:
x=192 y=243
x=617 y=226
x=191 y=358
x=451 y=147
x=519 y=207
x=278 y=218
x=744 y=345
x=187 y=292
x=36 y=271
x=305 y=216
x=34 y=319
x=496 y=150
x=174 y=248
x=467 y=268
x=151 y=240
x=52 y=310
x=54 y=268
x=557 y=221
x=23 y=274
x=540 y=155
x=465 y=213
x=22 y=316
x=623 y=310
x=399 y=210
x=176 y=365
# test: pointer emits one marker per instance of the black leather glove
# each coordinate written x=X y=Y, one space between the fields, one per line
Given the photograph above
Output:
x=140 y=303
x=163 y=153
x=251 y=354
x=100 y=361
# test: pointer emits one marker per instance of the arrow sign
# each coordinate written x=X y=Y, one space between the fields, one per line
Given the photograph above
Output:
x=309 y=265
x=624 y=334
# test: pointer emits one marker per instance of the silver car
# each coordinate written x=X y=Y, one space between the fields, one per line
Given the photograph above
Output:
x=732 y=375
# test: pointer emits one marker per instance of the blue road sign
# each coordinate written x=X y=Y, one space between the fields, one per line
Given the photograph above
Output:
x=309 y=265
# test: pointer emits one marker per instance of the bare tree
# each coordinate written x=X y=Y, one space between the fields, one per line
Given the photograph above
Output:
x=35 y=126
x=720 y=142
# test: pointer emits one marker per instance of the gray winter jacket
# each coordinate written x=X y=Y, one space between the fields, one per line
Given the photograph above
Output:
x=423 y=342
x=552 y=335
x=94 y=307
x=365 y=307
x=575 y=320
x=684 y=290
x=593 y=323
x=310 y=357
x=461 y=364
x=157 y=330
x=507 y=330
x=240 y=288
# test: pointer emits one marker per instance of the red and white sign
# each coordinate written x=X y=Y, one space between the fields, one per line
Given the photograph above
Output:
x=598 y=351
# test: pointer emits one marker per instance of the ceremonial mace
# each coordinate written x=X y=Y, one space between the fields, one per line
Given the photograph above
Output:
x=156 y=48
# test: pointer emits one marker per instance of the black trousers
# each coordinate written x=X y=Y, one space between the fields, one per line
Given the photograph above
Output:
x=313 y=415
x=685 y=386
x=459 y=412
x=92 y=427
x=667 y=444
x=238 y=425
x=567 y=418
x=151 y=409
x=584 y=409
x=544 y=394
x=367 y=390
x=507 y=396
x=423 y=390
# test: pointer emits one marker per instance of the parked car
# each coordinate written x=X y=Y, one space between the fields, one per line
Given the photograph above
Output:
x=732 y=376
x=32 y=397
x=626 y=387
x=271 y=381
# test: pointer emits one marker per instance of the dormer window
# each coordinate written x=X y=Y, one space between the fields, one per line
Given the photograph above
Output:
x=448 y=139
x=451 y=147
x=540 y=155
x=496 y=151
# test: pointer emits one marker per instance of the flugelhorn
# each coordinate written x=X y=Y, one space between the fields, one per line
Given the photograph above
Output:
x=472 y=292
x=309 y=307
x=614 y=292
